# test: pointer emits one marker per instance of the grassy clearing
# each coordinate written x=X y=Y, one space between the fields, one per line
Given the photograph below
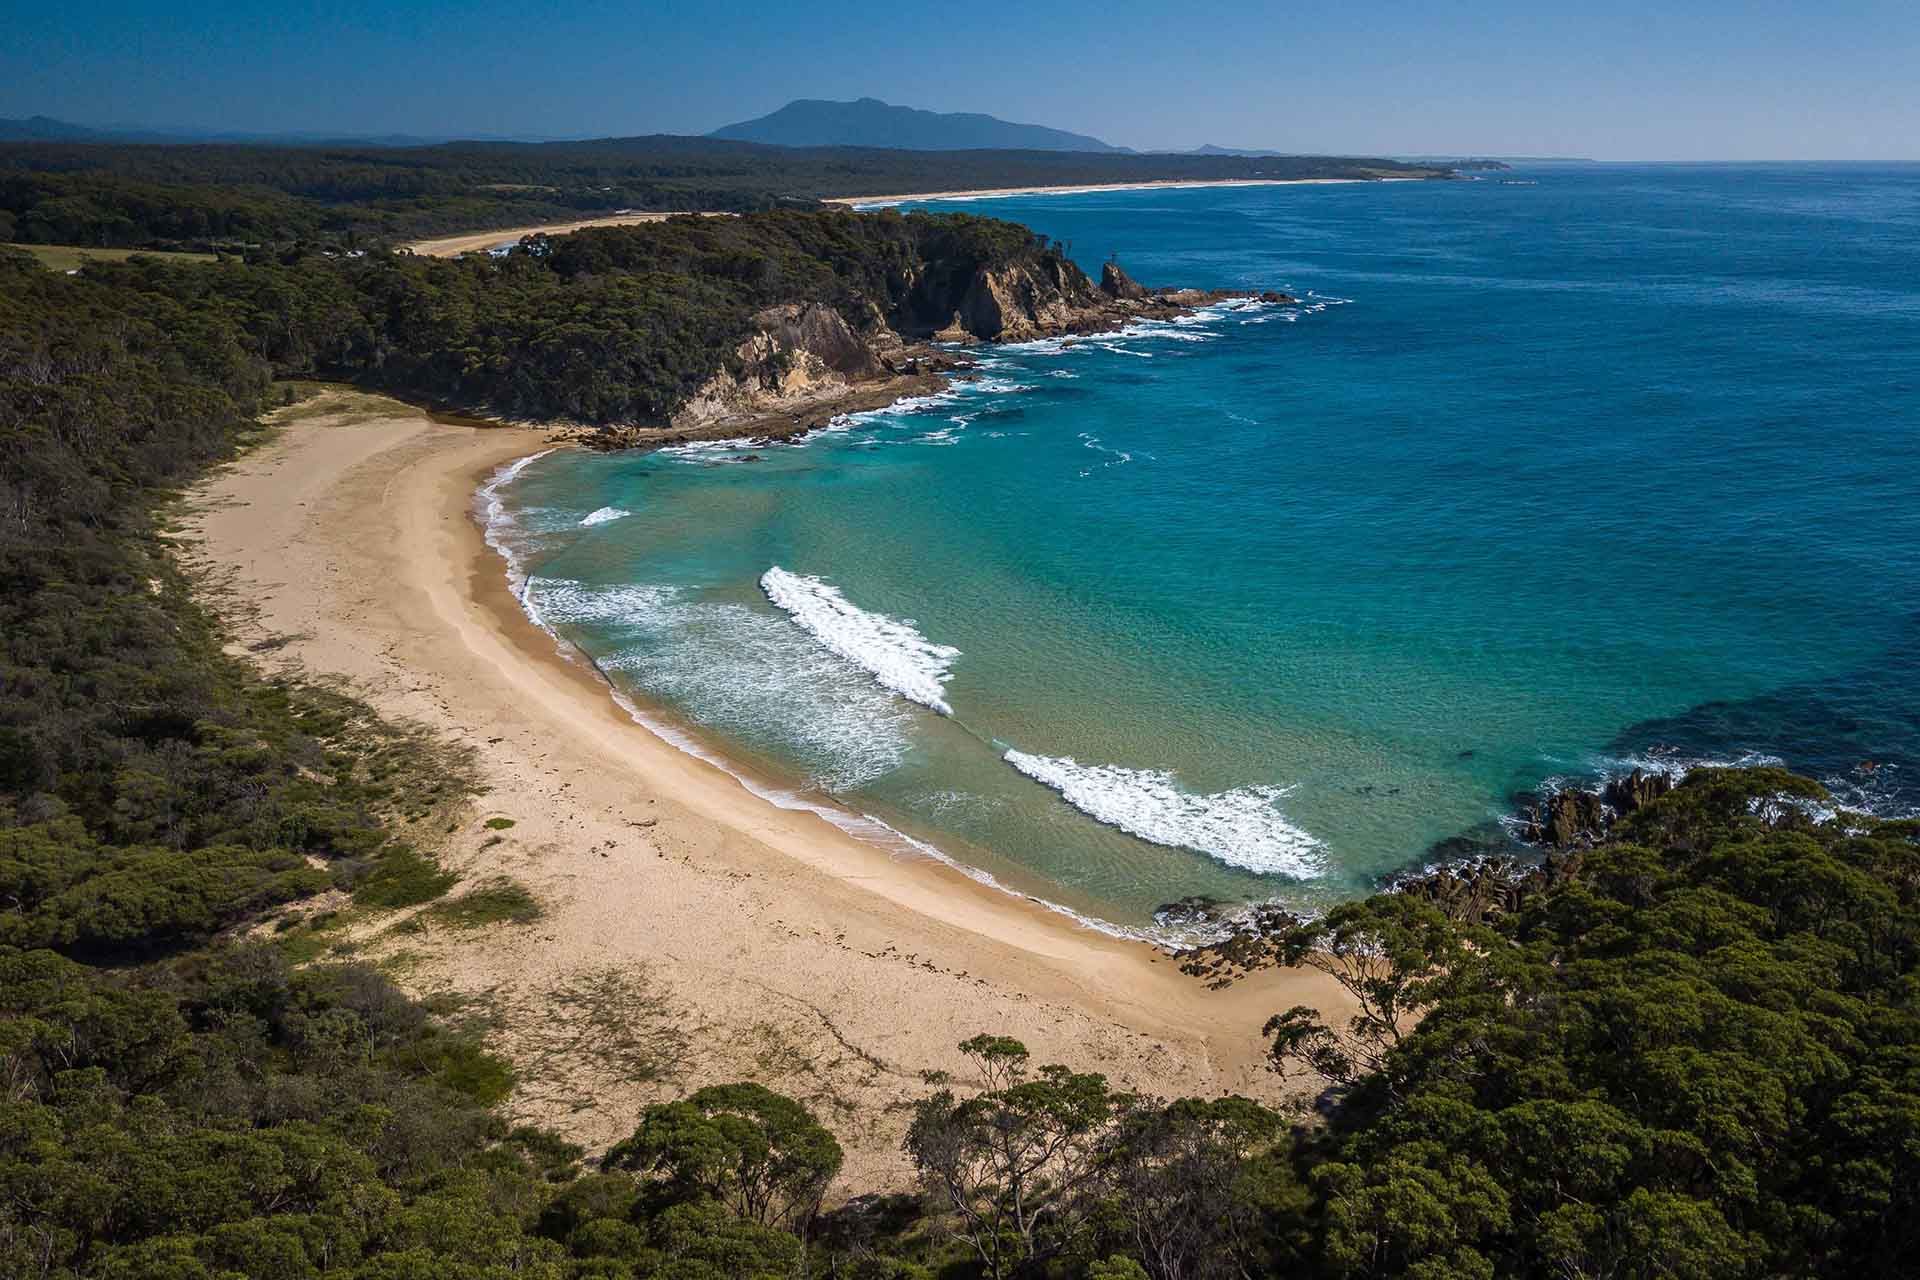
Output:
x=71 y=257
x=299 y=400
x=498 y=901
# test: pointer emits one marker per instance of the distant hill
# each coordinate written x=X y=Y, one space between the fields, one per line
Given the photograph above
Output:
x=1208 y=149
x=869 y=122
x=45 y=129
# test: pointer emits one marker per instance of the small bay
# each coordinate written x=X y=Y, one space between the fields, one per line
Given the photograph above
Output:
x=1551 y=472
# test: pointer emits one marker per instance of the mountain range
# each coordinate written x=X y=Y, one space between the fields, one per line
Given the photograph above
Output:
x=869 y=122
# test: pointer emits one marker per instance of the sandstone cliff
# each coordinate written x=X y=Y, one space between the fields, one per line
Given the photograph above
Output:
x=804 y=361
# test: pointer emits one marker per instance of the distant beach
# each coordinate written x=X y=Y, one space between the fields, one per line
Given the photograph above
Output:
x=476 y=241
x=997 y=193
x=479 y=241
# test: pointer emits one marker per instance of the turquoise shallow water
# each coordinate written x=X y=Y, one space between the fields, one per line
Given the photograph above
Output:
x=1555 y=471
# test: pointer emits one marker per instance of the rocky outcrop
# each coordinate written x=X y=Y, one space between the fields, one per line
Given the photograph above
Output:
x=1568 y=818
x=1574 y=819
x=797 y=353
x=804 y=362
x=1116 y=283
x=1635 y=791
x=1497 y=887
x=1039 y=296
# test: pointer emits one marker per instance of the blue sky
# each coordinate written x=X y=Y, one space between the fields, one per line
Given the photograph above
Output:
x=1708 y=79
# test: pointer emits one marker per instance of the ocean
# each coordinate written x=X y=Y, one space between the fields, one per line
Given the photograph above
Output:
x=1552 y=473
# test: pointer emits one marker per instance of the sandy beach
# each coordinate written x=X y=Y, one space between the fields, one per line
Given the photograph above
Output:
x=475 y=242
x=995 y=193
x=743 y=940
x=478 y=241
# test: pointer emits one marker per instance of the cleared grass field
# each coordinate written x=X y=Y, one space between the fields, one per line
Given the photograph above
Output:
x=70 y=257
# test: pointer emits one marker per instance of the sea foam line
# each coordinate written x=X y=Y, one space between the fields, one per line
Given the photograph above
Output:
x=1242 y=827
x=494 y=520
x=889 y=649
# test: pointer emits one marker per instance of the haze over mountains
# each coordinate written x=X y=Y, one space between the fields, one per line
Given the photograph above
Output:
x=869 y=122
x=48 y=129
x=804 y=122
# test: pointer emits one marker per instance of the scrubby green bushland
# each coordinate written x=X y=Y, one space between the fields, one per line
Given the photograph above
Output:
x=612 y=325
x=1701 y=1057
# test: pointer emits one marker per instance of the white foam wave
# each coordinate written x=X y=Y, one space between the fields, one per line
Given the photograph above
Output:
x=739 y=670
x=890 y=649
x=699 y=448
x=605 y=515
x=1115 y=457
x=497 y=523
x=1242 y=827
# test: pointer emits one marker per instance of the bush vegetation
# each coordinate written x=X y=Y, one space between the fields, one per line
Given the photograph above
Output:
x=613 y=325
x=238 y=197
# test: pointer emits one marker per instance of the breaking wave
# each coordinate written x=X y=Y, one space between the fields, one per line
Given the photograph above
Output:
x=604 y=515
x=1242 y=827
x=736 y=669
x=889 y=649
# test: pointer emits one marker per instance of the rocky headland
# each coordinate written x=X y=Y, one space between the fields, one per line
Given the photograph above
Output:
x=805 y=363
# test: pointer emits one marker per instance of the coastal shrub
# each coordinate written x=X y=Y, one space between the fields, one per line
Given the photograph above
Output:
x=498 y=824
x=498 y=901
x=1015 y=1166
x=1700 y=1056
x=402 y=877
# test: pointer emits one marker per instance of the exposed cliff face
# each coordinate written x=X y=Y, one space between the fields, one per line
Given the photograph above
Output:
x=1044 y=296
x=798 y=354
x=805 y=359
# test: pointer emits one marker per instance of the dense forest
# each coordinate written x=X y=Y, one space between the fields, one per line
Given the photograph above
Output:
x=612 y=325
x=1695 y=1054
x=237 y=197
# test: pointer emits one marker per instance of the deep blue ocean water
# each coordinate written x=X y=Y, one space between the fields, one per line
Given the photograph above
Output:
x=1554 y=471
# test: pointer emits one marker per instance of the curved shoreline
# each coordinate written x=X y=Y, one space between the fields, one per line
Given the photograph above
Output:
x=690 y=739
x=807 y=959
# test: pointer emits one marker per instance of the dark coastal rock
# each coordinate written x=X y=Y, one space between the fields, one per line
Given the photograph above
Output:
x=1635 y=791
x=1574 y=819
x=1189 y=912
x=1116 y=283
x=1568 y=819
x=1497 y=887
x=1255 y=939
x=1274 y=295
